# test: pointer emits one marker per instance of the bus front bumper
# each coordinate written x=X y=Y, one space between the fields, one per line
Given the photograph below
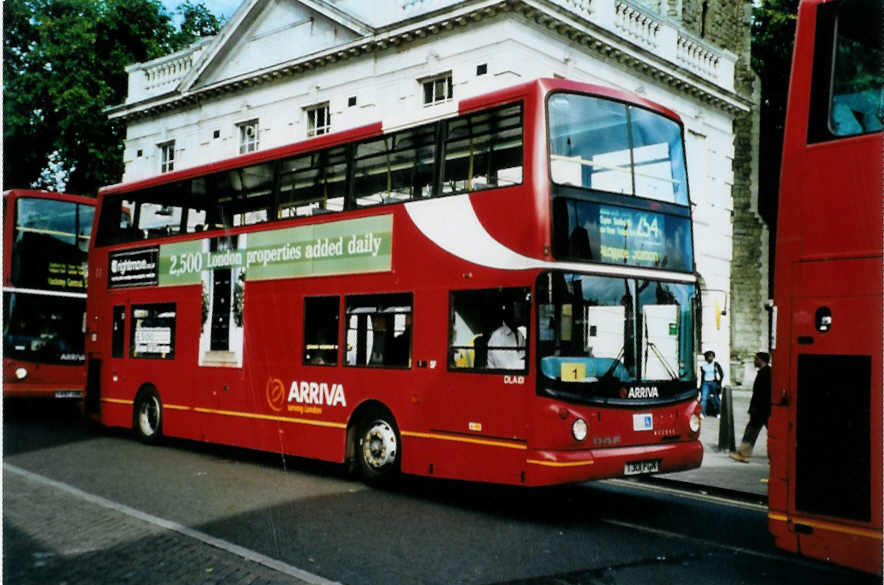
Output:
x=545 y=467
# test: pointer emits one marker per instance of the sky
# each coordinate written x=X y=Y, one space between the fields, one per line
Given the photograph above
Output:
x=224 y=8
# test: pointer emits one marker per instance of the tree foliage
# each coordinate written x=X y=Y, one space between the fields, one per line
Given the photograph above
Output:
x=773 y=36
x=63 y=64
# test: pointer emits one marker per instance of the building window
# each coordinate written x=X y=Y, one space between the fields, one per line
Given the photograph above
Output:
x=167 y=156
x=438 y=89
x=318 y=120
x=248 y=136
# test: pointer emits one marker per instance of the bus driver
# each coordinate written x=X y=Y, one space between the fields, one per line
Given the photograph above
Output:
x=508 y=334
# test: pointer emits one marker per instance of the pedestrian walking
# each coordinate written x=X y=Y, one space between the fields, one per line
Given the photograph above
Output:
x=711 y=377
x=759 y=408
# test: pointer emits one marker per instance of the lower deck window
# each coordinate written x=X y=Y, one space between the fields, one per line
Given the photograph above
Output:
x=321 y=330
x=153 y=331
x=489 y=329
x=379 y=330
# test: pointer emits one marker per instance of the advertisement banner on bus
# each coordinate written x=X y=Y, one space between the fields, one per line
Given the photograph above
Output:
x=341 y=247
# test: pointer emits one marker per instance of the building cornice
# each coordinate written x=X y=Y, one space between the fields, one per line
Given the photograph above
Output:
x=546 y=13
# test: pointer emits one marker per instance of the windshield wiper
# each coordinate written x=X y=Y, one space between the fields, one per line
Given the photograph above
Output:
x=614 y=363
x=669 y=369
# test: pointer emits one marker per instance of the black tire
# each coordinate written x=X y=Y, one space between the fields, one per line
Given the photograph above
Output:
x=147 y=420
x=378 y=448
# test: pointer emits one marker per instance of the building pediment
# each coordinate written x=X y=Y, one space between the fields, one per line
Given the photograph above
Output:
x=265 y=33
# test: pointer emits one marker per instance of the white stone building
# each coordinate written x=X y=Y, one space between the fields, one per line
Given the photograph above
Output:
x=283 y=70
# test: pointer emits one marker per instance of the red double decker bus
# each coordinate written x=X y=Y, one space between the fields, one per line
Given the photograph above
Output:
x=46 y=237
x=825 y=427
x=506 y=295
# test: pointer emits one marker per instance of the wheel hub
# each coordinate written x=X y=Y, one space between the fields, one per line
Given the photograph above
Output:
x=379 y=445
x=148 y=417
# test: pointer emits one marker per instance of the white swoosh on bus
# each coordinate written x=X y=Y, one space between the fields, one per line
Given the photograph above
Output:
x=451 y=223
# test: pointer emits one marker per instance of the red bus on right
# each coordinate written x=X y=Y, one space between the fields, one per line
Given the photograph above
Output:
x=824 y=434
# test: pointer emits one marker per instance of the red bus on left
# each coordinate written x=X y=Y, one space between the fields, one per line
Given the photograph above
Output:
x=45 y=244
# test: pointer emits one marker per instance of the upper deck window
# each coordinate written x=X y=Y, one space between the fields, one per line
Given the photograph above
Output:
x=483 y=151
x=847 y=92
x=611 y=146
x=476 y=151
x=50 y=242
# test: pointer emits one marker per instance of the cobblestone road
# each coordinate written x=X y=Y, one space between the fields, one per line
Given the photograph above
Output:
x=52 y=536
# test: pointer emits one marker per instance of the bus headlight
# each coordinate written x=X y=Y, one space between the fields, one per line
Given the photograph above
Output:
x=695 y=423
x=579 y=429
x=21 y=373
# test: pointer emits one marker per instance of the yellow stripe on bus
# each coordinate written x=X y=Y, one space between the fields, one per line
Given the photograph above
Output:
x=519 y=446
x=176 y=407
x=854 y=530
x=117 y=401
x=302 y=421
x=560 y=463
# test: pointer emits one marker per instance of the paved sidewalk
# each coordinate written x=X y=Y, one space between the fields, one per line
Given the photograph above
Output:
x=721 y=472
x=51 y=536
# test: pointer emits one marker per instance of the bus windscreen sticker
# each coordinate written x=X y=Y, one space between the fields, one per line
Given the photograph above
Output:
x=133 y=268
x=342 y=247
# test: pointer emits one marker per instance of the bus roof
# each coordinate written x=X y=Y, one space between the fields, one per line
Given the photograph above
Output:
x=82 y=199
x=540 y=87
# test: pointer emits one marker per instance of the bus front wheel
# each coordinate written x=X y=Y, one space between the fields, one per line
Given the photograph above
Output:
x=148 y=416
x=379 y=449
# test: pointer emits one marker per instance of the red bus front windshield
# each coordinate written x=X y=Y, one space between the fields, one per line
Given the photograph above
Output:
x=43 y=329
x=599 y=335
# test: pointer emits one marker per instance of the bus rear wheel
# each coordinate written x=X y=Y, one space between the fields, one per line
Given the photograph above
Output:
x=148 y=416
x=379 y=449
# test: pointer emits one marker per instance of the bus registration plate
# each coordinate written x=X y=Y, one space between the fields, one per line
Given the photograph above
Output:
x=639 y=467
x=69 y=394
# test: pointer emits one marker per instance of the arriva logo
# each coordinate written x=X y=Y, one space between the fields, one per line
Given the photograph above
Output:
x=317 y=394
x=643 y=392
x=304 y=397
x=275 y=394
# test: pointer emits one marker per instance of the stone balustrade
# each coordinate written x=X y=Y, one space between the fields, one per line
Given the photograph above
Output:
x=639 y=23
x=162 y=75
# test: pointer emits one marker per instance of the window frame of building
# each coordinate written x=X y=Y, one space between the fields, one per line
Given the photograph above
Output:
x=248 y=136
x=432 y=86
x=313 y=113
x=167 y=156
